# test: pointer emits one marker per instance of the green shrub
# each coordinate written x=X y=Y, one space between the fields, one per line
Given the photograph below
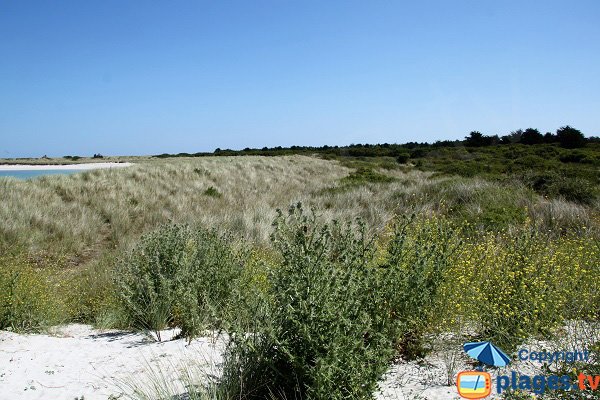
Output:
x=523 y=284
x=554 y=184
x=520 y=296
x=574 y=157
x=366 y=175
x=212 y=192
x=362 y=175
x=325 y=330
x=403 y=158
x=574 y=189
x=500 y=216
x=179 y=276
x=528 y=162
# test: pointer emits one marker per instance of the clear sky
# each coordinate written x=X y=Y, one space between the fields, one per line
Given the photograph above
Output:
x=147 y=77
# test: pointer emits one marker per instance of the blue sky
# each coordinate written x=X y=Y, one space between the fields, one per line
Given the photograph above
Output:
x=147 y=77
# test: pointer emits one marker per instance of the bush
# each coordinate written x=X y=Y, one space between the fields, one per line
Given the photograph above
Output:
x=514 y=287
x=179 y=276
x=574 y=189
x=364 y=175
x=325 y=328
x=575 y=156
x=403 y=158
x=529 y=162
x=212 y=192
x=500 y=216
x=339 y=306
x=553 y=184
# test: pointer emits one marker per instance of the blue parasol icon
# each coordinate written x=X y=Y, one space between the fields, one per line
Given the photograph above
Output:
x=487 y=353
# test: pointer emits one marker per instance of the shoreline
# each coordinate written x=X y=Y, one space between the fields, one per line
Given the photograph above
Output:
x=46 y=167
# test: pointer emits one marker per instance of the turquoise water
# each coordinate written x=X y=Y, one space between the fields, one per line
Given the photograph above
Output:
x=27 y=174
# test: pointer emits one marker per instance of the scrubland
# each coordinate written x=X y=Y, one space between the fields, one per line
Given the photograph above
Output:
x=320 y=272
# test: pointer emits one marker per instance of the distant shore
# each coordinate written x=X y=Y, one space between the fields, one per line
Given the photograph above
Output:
x=44 y=167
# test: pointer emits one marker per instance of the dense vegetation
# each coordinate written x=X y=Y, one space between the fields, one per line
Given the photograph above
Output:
x=565 y=163
x=496 y=241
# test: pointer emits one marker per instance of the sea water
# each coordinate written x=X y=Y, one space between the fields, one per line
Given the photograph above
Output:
x=27 y=174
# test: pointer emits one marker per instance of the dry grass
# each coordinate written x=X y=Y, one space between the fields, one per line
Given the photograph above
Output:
x=82 y=216
x=89 y=211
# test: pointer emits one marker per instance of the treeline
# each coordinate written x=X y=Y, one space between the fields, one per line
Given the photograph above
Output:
x=566 y=136
x=75 y=158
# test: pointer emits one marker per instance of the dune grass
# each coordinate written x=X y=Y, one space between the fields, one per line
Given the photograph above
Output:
x=83 y=215
x=86 y=213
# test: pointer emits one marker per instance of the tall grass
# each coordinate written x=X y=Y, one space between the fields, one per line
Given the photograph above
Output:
x=81 y=216
x=86 y=213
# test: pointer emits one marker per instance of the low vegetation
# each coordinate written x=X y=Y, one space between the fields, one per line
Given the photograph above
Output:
x=379 y=258
x=179 y=277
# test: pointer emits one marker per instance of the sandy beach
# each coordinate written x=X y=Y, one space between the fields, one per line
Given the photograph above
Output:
x=77 y=360
x=45 y=167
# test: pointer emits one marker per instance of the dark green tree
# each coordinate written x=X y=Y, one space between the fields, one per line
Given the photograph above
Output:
x=532 y=136
x=549 y=137
x=513 y=137
x=570 y=137
x=477 y=139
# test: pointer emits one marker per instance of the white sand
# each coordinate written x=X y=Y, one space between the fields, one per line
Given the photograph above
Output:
x=80 y=361
x=40 y=167
x=77 y=360
x=427 y=380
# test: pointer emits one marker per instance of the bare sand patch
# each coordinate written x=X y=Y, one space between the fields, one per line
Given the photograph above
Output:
x=78 y=361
